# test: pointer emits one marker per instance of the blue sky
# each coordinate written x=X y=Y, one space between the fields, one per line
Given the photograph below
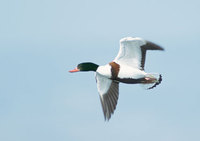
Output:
x=41 y=40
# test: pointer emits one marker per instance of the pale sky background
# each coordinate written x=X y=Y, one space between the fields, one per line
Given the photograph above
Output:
x=40 y=40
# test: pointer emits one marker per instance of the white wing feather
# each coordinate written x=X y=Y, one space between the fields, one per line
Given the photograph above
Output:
x=103 y=84
x=130 y=53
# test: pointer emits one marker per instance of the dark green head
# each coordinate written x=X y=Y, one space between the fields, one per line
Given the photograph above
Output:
x=87 y=66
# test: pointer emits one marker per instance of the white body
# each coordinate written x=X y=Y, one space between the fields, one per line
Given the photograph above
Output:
x=129 y=62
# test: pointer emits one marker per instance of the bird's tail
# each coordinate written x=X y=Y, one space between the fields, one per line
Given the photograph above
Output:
x=152 y=80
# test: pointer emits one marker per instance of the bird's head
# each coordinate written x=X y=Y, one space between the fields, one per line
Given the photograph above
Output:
x=87 y=66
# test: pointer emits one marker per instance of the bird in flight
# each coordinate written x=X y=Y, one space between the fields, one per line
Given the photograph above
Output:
x=127 y=67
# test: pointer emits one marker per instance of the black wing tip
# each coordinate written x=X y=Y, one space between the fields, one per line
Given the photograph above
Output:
x=152 y=46
x=107 y=114
x=157 y=83
x=106 y=119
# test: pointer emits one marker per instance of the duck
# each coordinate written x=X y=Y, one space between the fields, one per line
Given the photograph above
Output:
x=127 y=67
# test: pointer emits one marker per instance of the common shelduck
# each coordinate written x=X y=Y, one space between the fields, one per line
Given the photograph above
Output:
x=127 y=67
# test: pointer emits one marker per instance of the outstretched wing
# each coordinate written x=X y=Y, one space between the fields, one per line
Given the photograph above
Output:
x=132 y=52
x=109 y=93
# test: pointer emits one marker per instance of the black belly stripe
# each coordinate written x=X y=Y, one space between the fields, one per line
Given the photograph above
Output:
x=131 y=81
